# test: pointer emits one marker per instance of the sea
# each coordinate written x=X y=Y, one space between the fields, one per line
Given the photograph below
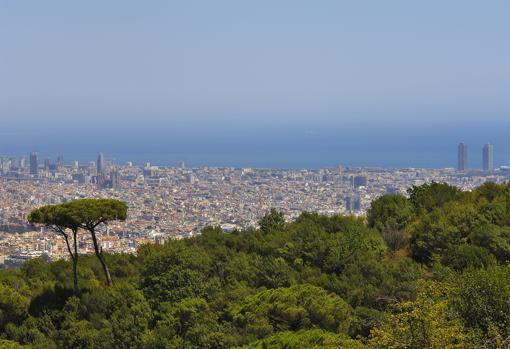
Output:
x=291 y=146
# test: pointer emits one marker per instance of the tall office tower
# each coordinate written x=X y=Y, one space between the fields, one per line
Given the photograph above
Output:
x=488 y=157
x=47 y=164
x=114 y=179
x=101 y=166
x=60 y=161
x=34 y=165
x=462 y=157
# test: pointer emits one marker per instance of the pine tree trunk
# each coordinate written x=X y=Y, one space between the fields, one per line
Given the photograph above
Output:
x=100 y=256
x=74 y=257
x=75 y=262
x=75 y=274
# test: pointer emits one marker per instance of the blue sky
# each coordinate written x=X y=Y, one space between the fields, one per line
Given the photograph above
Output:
x=185 y=68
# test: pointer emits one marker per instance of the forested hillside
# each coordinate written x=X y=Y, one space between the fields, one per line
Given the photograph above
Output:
x=427 y=271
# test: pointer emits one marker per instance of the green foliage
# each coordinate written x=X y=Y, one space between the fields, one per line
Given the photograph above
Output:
x=390 y=212
x=189 y=323
x=92 y=212
x=429 y=271
x=424 y=323
x=173 y=275
x=295 y=308
x=7 y=344
x=85 y=214
x=13 y=306
x=441 y=229
x=364 y=320
x=429 y=196
x=58 y=216
x=271 y=222
x=494 y=239
x=312 y=339
x=466 y=256
x=482 y=299
x=491 y=191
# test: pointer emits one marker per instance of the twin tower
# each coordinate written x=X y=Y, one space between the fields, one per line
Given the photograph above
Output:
x=487 y=157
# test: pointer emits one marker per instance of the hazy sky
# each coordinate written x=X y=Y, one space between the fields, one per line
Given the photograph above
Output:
x=157 y=66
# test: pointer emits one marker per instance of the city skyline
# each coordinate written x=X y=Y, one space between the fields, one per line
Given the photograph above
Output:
x=177 y=202
x=463 y=162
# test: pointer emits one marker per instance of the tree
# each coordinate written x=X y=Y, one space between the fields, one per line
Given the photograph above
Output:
x=439 y=231
x=311 y=339
x=390 y=215
x=6 y=344
x=493 y=238
x=425 y=323
x=189 y=323
x=273 y=221
x=60 y=219
x=294 y=308
x=468 y=256
x=490 y=191
x=482 y=299
x=429 y=196
x=90 y=214
x=13 y=306
x=390 y=211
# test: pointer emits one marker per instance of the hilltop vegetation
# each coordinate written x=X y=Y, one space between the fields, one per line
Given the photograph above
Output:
x=428 y=271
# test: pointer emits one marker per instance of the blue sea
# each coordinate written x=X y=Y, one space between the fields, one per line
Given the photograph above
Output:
x=282 y=146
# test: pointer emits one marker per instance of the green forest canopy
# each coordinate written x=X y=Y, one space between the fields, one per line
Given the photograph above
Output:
x=427 y=271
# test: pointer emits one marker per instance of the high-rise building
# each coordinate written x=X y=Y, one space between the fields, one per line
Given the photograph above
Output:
x=101 y=166
x=34 y=164
x=60 y=161
x=359 y=181
x=81 y=178
x=114 y=179
x=22 y=163
x=488 y=157
x=5 y=164
x=462 y=157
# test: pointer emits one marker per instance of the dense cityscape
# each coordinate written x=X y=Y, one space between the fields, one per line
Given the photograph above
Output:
x=177 y=202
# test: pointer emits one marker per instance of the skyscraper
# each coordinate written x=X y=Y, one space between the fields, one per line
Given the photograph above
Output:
x=114 y=179
x=100 y=165
x=60 y=161
x=488 y=157
x=34 y=165
x=462 y=157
